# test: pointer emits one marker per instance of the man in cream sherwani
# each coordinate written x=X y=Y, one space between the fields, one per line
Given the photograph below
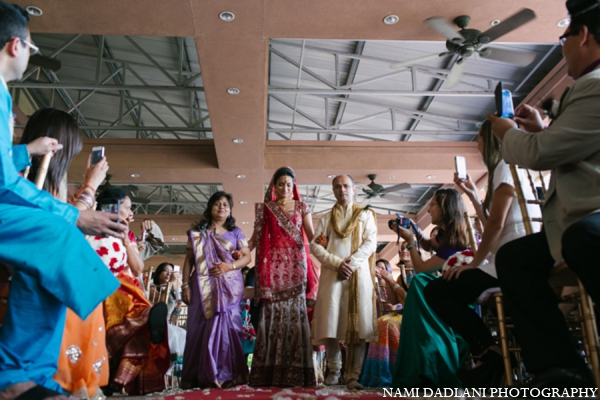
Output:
x=345 y=244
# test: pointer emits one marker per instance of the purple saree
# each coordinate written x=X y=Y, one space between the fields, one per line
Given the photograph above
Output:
x=213 y=353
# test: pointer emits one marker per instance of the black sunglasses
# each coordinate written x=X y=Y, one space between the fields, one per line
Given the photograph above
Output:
x=562 y=39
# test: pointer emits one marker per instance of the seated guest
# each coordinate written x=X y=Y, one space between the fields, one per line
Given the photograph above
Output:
x=381 y=357
x=163 y=275
x=451 y=298
x=213 y=354
x=407 y=271
x=430 y=352
x=83 y=360
x=571 y=214
x=248 y=335
x=136 y=336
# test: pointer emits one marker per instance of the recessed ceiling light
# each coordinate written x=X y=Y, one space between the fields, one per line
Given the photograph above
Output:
x=430 y=176
x=238 y=140
x=243 y=202
x=331 y=176
x=233 y=90
x=34 y=11
x=240 y=176
x=135 y=175
x=391 y=176
x=495 y=22
x=563 y=23
x=173 y=238
x=227 y=16
x=391 y=19
x=245 y=222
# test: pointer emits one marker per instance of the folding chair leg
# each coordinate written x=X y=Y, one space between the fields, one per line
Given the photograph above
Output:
x=503 y=339
x=590 y=331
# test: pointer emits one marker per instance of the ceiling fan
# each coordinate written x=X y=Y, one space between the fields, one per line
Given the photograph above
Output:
x=466 y=42
x=127 y=188
x=376 y=190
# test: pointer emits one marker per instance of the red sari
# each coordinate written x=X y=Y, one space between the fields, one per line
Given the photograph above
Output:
x=283 y=350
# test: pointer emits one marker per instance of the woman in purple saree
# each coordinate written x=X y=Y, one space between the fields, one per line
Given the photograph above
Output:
x=216 y=250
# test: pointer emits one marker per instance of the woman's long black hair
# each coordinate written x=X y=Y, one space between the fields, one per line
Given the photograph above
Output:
x=207 y=221
x=159 y=270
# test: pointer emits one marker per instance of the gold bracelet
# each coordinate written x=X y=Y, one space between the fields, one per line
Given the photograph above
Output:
x=233 y=265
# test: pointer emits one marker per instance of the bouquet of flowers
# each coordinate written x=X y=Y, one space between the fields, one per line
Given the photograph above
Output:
x=460 y=258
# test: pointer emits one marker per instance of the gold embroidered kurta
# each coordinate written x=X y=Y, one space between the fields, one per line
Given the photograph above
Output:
x=330 y=318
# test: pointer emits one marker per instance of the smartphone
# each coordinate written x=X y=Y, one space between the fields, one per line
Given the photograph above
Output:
x=111 y=207
x=504 y=103
x=461 y=167
x=97 y=154
x=176 y=268
x=144 y=235
x=405 y=222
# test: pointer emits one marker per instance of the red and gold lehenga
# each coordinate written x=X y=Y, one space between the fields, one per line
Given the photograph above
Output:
x=135 y=362
x=283 y=350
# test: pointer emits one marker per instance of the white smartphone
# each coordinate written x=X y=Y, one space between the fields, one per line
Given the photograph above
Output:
x=97 y=154
x=176 y=268
x=461 y=167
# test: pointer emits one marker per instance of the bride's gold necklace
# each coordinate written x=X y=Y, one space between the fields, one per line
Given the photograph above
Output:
x=283 y=202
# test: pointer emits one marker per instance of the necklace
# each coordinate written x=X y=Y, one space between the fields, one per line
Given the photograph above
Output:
x=215 y=229
x=283 y=202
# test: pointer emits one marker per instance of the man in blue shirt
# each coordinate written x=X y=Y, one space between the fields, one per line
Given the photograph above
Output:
x=53 y=265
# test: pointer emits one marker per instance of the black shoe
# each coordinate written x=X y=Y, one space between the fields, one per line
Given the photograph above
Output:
x=157 y=322
x=488 y=374
x=563 y=378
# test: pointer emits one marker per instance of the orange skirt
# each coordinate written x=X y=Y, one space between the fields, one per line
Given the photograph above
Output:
x=83 y=359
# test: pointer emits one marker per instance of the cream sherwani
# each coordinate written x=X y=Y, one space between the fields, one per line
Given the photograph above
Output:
x=330 y=319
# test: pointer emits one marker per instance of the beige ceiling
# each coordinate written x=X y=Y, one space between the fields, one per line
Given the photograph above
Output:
x=235 y=54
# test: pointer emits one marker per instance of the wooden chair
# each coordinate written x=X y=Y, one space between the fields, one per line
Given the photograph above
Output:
x=182 y=320
x=148 y=277
x=160 y=293
x=5 y=270
x=562 y=276
x=493 y=297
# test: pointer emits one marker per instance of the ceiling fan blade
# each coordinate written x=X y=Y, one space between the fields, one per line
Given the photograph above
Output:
x=456 y=73
x=395 y=198
x=45 y=62
x=366 y=201
x=401 y=64
x=520 y=58
x=445 y=28
x=397 y=188
x=509 y=24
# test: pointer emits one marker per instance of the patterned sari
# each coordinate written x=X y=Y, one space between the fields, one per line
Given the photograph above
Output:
x=283 y=350
x=213 y=353
x=135 y=362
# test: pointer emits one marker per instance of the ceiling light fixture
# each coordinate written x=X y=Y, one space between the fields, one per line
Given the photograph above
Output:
x=391 y=19
x=331 y=176
x=243 y=202
x=233 y=90
x=238 y=140
x=227 y=16
x=240 y=176
x=495 y=22
x=245 y=222
x=135 y=175
x=391 y=176
x=430 y=176
x=34 y=11
x=563 y=23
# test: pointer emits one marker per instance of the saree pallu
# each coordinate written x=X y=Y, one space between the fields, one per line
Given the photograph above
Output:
x=135 y=362
x=83 y=359
x=213 y=353
x=381 y=357
x=283 y=350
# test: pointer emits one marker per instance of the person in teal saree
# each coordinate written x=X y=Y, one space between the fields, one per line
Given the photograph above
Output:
x=430 y=352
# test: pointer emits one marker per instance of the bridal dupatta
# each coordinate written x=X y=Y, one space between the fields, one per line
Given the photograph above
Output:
x=282 y=260
x=221 y=293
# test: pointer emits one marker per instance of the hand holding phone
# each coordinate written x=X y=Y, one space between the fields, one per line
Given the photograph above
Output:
x=97 y=154
x=461 y=167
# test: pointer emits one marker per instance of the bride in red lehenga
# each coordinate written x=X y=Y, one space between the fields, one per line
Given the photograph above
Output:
x=285 y=282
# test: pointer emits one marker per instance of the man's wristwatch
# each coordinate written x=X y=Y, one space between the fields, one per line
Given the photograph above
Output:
x=410 y=246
